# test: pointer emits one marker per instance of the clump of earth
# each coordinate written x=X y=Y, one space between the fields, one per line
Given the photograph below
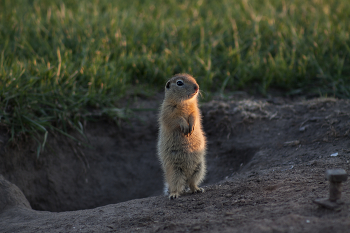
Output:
x=266 y=160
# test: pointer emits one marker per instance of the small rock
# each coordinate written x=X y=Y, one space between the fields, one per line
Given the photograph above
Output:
x=302 y=129
x=333 y=121
x=312 y=163
x=229 y=195
x=292 y=143
x=196 y=228
x=226 y=203
x=11 y=195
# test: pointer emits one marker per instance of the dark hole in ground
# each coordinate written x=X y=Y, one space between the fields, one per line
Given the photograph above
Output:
x=225 y=161
x=121 y=165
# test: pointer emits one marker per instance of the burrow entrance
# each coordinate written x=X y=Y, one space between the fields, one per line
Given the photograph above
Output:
x=119 y=164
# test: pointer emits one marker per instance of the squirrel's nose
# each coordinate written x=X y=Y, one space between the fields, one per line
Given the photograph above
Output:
x=196 y=87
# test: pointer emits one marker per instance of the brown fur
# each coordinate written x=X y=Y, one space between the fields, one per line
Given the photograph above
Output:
x=181 y=142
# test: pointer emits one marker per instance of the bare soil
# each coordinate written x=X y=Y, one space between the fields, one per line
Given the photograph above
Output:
x=266 y=164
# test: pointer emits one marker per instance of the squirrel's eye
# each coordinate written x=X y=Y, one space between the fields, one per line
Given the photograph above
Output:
x=179 y=83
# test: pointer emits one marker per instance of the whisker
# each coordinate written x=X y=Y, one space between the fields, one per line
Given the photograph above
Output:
x=200 y=93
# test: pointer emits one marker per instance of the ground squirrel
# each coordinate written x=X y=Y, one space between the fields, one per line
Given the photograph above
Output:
x=181 y=142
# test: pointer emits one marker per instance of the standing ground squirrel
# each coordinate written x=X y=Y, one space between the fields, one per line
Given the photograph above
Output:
x=181 y=142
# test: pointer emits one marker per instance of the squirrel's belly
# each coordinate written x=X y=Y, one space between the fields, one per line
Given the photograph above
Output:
x=177 y=143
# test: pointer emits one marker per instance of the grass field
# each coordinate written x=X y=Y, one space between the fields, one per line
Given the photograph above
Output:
x=62 y=60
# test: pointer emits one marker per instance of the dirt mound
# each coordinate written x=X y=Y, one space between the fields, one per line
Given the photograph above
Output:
x=11 y=196
x=117 y=163
x=266 y=163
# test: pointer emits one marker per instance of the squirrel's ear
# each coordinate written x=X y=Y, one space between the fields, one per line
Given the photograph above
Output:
x=167 y=85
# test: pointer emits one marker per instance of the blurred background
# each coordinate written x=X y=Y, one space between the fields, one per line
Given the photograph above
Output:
x=60 y=60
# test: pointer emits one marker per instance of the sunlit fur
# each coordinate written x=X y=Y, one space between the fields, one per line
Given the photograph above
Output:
x=181 y=142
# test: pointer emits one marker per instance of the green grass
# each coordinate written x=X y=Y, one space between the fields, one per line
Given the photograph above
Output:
x=61 y=62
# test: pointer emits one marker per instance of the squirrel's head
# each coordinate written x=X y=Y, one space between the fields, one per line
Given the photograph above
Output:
x=181 y=87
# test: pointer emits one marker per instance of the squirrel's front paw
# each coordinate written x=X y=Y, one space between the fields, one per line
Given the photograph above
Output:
x=190 y=129
x=185 y=129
